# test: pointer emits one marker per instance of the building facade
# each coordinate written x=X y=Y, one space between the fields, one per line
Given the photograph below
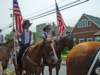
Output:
x=87 y=29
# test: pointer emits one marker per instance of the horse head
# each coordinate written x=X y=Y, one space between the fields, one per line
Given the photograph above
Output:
x=5 y=50
x=65 y=42
x=47 y=46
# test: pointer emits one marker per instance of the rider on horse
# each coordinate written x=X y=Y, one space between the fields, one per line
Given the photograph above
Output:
x=25 y=39
x=48 y=36
x=47 y=32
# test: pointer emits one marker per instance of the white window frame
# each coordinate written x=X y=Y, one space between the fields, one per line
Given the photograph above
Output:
x=82 y=23
x=81 y=39
x=89 y=23
x=89 y=39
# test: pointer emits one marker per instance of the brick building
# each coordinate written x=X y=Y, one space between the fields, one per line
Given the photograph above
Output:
x=87 y=29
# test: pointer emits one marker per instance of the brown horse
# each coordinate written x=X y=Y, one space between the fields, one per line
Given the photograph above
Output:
x=5 y=50
x=60 y=45
x=32 y=59
x=80 y=58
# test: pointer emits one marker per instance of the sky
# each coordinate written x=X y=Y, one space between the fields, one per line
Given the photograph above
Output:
x=31 y=8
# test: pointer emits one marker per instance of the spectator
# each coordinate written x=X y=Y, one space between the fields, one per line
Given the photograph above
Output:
x=1 y=37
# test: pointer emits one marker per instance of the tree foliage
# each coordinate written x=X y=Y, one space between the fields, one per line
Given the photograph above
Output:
x=9 y=36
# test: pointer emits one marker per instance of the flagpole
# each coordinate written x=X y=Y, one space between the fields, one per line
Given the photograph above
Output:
x=56 y=18
x=55 y=2
x=13 y=20
x=14 y=38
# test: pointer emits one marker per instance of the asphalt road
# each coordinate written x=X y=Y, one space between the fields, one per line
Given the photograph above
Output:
x=62 y=71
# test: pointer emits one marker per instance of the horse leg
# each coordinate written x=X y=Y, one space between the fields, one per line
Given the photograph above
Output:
x=28 y=73
x=57 y=69
x=58 y=65
x=19 y=69
x=50 y=70
x=19 y=72
x=42 y=70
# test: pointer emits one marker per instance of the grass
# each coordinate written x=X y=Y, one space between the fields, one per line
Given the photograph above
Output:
x=64 y=55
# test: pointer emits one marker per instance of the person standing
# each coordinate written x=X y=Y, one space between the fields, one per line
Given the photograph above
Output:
x=1 y=37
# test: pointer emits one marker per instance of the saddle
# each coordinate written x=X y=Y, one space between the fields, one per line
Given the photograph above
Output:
x=28 y=50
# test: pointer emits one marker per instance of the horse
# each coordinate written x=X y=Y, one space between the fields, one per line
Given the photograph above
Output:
x=31 y=61
x=5 y=52
x=59 y=46
x=80 y=57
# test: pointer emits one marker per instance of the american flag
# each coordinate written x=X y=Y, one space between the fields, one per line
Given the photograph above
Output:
x=18 y=17
x=60 y=21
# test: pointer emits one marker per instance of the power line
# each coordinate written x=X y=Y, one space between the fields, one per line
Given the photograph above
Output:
x=66 y=6
x=53 y=10
x=49 y=7
x=7 y=27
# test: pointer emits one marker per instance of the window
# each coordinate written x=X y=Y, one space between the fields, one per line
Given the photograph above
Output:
x=97 y=38
x=89 y=23
x=89 y=39
x=82 y=23
x=81 y=40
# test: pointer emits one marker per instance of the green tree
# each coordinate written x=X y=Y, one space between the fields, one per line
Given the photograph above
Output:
x=9 y=36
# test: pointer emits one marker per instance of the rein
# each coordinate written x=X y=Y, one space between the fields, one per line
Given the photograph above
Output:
x=52 y=46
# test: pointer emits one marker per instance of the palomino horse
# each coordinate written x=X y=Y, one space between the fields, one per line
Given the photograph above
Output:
x=32 y=58
x=5 y=50
x=64 y=42
x=80 y=58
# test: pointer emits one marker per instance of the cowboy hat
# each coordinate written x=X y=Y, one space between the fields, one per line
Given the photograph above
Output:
x=26 y=23
x=46 y=28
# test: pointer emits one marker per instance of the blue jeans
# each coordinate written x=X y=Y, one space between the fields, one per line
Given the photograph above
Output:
x=21 y=52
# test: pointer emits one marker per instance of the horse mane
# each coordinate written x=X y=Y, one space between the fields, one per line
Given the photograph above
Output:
x=37 y=44
x=35 y=47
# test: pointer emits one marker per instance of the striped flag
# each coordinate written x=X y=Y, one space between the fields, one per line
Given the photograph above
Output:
x=18 y=17
x=60 y=21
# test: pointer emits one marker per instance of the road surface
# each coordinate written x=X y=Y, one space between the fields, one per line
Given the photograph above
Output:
x=62 y=71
